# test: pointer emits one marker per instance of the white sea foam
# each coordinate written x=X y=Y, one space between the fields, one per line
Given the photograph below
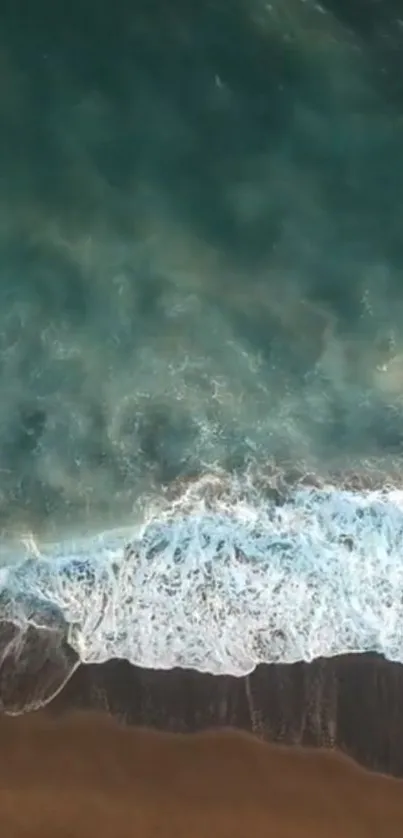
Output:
x=226 y=576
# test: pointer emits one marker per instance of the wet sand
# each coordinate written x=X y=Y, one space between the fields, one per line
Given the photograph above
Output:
x=85 y=774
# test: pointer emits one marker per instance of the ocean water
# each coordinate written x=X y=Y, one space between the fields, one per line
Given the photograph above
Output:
x=224 y=578
x=200 y=276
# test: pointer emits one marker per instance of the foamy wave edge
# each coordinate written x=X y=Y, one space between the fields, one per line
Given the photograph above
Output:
x=226 y=574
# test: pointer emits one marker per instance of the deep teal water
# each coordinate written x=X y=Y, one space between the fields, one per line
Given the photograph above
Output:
x=201 y=255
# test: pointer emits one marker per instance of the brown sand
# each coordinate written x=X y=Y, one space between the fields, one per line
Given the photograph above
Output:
x=84 y=775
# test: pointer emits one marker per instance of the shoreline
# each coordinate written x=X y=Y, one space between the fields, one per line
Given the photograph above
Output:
x=351 y=702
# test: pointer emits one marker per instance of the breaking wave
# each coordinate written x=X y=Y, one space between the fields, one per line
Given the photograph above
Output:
x=224 y=575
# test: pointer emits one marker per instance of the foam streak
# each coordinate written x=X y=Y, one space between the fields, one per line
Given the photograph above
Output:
x=219 y=582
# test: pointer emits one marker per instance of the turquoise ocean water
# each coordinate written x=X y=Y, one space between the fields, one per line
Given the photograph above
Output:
x=200 y=273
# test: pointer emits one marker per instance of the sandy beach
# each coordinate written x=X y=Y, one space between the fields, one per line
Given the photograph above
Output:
x=85 y=774
x=309 y=749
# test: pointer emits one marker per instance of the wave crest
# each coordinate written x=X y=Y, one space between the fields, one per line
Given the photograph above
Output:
x=225 y=573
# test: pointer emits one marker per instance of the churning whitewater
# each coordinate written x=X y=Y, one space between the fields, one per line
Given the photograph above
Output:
x=225 y=576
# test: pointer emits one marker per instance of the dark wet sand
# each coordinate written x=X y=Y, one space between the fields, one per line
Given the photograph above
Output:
x=73 y=770
x=86 y=775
